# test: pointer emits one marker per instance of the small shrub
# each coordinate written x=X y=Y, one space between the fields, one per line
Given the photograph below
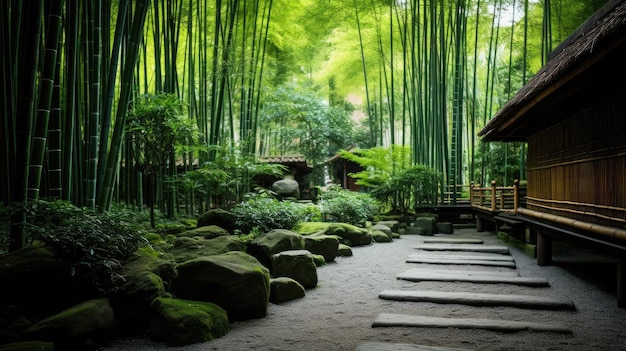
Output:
x=266 y=214
x=348 y=206
x=94 y=244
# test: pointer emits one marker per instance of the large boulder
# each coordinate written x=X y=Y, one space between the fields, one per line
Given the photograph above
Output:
x=85 y=326
x=426 y=223
x=207 y=232
x=219 y=217
x=296 y=264
x=235 y=281
x=147 y=259
x=383 y=228
x=325 y=245
x=394 y=225
x=273 y=242
x=179 y=322
x=284 y=289
x=131 y=301
x=185 y=249
x=286 y=188
x=381 y=237
x=349 y=234
x=37 y=284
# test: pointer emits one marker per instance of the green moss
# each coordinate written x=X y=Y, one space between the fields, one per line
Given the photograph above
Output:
x=184 y=322
x=306 y=228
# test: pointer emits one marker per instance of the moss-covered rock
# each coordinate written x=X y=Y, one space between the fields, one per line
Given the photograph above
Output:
x=219 y=217
x=284 y=289
x=28 y=346
x=206 y=232
x=85 y=326
x=149 y=260
x=185 y=249
x=181 y=322
x=273 y=242
x=296 y=264
x=393 y=225
x=325 y=245
x=344 y=250
x=381 y=237
x=131 y=302
x=383 y=228
x=236 y=281
x=28 y=272
x=350 y=234
x=426 y=223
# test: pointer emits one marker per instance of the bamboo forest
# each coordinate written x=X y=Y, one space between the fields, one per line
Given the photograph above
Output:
x=312 y=174
x=104 y=99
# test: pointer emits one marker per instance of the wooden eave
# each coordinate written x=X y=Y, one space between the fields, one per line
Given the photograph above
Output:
x=583 y=60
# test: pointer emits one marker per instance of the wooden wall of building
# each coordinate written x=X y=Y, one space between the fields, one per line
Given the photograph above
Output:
x=577 y=169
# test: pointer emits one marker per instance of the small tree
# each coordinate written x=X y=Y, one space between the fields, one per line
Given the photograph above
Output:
x=155 y=127
x=412 y=188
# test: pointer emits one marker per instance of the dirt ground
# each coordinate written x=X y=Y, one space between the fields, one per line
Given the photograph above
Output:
x=338 y=313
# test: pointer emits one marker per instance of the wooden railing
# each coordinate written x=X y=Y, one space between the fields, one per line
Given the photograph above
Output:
x=496 y=198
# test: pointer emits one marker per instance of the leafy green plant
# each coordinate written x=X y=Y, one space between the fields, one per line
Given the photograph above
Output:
x=347 y=206
x=266 y=214
x=93 y=244
x=414 y=187
x=379 y=163
x=228 y=179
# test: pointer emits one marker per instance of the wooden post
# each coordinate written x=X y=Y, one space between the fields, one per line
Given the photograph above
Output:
x=471 y=194
x=493 y=196
x=515 y=195
x=544 y=249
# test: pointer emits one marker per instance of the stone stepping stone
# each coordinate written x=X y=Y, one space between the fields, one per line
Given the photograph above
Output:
x=478 y=299
x=452 y=241
x=405 y=320
x=461 y=256
x=507 y=273
x=390 y=346
x=418 y=276
x=464 y=247
x=442 y=260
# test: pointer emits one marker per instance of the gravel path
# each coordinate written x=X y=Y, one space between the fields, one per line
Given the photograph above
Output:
x=338 y=314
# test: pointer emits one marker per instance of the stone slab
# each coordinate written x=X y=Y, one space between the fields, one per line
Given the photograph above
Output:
x=437 y=240
x=390 y=346
x=478 y=299
x=460 y=262
x=463 y=256
x=404 y=320
x=464 y=247
x=508 y=273
x=418 y=276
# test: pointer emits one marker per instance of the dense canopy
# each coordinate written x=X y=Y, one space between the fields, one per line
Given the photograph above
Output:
x=235 y=80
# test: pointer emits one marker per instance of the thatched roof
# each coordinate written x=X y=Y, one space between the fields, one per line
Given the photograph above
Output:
x=602 y=36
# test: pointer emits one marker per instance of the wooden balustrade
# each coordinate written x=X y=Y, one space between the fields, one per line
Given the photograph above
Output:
x=495 y=198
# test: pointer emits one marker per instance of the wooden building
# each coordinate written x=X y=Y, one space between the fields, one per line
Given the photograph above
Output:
x=572 y=114
x=340 y=170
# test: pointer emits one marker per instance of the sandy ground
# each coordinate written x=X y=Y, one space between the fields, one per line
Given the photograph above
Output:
x=338 y=314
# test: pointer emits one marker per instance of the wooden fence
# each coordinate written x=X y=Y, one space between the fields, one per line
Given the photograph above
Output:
x=496 y=199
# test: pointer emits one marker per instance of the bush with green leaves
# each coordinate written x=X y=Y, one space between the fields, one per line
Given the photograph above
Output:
x=414 y=187
x=347 y=206
x=263 y=214
x=94 y=244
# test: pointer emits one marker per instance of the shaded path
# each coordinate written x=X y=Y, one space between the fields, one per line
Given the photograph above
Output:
x=338 y=314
